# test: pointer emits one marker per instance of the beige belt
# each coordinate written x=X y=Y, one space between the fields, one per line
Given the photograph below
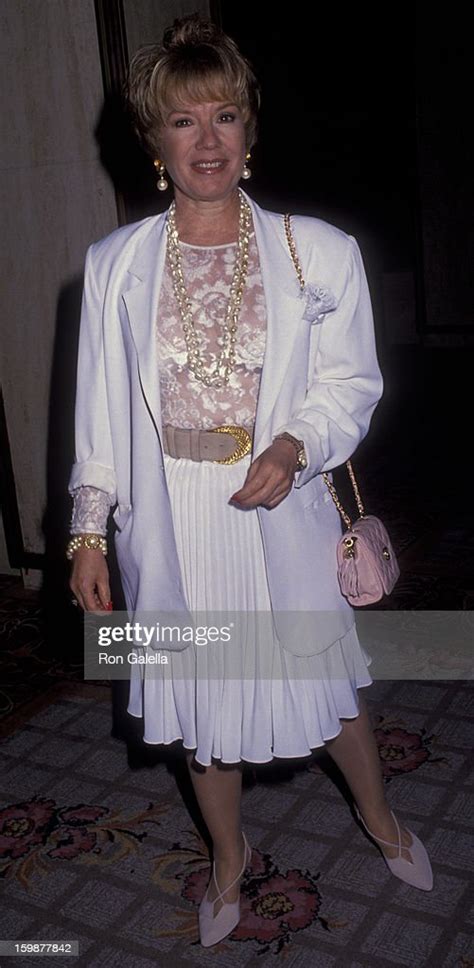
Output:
x=224 y=445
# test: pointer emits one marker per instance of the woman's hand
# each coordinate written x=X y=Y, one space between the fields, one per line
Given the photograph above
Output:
x=270 y=477
x=90 y=580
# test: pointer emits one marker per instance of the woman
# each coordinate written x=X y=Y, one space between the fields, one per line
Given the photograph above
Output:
x=195 y=320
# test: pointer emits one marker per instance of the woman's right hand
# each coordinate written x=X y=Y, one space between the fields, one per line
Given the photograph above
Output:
x=90 y=580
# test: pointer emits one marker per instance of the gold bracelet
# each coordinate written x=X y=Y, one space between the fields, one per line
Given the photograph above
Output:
x=91 y=541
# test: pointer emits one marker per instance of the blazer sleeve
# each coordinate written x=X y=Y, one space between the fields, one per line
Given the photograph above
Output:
x=94 y=462
x=347 y=381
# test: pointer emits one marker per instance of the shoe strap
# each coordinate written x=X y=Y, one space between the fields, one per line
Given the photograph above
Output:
x=380 y=840
x=220 y=896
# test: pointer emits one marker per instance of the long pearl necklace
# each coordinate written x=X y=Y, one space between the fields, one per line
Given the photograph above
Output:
x=226 y=360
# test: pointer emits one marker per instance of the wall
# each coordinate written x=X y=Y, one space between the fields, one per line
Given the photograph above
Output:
x=55 y=199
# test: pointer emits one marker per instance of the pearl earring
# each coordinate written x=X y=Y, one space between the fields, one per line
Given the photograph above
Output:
x=246 y=173
x=161 y=184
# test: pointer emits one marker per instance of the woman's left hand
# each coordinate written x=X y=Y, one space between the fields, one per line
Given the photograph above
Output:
x=270 y=477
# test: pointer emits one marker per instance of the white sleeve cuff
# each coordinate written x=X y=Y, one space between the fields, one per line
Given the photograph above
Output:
x=94 y=475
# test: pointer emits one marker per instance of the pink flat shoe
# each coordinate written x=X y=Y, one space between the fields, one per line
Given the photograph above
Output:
x=417 y=874
x=213 y=929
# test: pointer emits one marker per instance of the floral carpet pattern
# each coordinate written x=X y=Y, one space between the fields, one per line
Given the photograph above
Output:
x=38 y=828
x=95 y=850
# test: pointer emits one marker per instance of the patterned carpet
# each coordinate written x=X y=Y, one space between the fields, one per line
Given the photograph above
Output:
x=108 y=852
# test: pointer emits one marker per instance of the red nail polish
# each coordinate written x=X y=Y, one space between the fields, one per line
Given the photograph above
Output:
x=110 y=606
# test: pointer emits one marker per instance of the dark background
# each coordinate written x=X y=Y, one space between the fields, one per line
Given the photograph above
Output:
x=337 y=133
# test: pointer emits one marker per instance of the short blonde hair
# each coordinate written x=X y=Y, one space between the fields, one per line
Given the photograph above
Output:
x=196 y=62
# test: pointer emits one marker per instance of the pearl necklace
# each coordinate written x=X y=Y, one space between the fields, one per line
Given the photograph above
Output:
x=226 y=359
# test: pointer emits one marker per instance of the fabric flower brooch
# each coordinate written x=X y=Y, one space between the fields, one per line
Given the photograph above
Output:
x=319 y=301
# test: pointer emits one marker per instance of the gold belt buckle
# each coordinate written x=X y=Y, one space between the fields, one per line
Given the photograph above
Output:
x=244 y=443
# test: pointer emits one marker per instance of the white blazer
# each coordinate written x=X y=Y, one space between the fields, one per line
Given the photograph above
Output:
x=320 y=381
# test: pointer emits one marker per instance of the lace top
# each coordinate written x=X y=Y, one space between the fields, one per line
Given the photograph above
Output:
x=186 y=401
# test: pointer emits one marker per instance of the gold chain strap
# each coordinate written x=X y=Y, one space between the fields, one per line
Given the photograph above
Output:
x=292 y=248
x=331 y=488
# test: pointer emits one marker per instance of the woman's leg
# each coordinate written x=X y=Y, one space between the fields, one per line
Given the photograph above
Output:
x=218 y=790
x=356 y=754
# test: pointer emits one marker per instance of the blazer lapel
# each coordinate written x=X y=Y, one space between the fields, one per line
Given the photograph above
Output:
x=284 y=311
x=141 y=300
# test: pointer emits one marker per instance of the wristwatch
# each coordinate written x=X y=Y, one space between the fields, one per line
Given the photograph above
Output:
x=299 y=446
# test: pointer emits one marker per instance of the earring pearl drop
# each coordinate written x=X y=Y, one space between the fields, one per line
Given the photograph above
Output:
x=161 y=184
x=246 y=172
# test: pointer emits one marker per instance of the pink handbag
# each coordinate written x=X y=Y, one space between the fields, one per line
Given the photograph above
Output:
x=367 y=567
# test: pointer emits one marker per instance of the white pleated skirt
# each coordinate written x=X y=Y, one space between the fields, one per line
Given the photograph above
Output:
x=290 y=709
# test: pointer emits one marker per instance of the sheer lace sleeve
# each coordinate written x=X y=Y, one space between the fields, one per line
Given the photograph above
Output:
x=90 y=510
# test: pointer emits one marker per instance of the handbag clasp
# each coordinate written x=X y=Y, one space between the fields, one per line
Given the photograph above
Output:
x=349 y=546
